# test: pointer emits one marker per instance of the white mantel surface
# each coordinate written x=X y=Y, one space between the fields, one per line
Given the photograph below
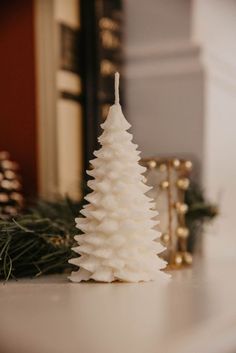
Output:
x=196 y=312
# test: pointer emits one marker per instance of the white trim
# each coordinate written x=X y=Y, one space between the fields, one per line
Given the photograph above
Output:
x=161 y=59
x=46 y=96
x=163 y=49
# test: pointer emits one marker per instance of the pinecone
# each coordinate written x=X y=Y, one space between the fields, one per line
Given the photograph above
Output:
x=11 y=199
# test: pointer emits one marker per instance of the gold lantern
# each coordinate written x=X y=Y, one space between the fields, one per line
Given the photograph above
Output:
x=170 y=180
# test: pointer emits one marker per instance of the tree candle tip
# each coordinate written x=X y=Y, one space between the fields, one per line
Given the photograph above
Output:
x=117 y=98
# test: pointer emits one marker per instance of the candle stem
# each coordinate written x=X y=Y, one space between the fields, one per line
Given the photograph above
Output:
x=117 y=98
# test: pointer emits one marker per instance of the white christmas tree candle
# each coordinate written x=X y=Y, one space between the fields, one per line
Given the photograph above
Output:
x=119 y=242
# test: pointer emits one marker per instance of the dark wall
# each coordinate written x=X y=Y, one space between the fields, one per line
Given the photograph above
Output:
x=17 y=88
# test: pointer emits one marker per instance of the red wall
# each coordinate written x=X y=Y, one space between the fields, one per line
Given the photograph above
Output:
x=17 y=88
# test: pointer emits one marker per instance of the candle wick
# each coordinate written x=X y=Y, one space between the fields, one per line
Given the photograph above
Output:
x=117 y=98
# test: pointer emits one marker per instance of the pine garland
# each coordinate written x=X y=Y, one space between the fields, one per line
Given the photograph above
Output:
x=200 y=212
x=39 y=241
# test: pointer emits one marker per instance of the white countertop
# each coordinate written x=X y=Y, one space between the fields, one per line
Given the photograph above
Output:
x=195 y=313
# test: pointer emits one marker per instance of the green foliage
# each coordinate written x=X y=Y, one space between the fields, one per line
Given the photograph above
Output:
x=199 y=213
x=198 y=208
x=39 y=241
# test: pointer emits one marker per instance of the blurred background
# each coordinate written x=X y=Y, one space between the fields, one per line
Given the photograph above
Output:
x=178 y=90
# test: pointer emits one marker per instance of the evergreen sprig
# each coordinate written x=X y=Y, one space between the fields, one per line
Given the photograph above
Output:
x=39 y=241
x=200 y=212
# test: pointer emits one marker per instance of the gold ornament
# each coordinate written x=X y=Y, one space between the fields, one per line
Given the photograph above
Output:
x=4 y=197
x=181 y=208
x=9 y=174
x=178 y=259
x=17 y=197
x=164 y=184
x=172 y=179
x=176 y=163
x=188 y=165
x=9 y=165
x=182 y=232
x=11 y=199
x=187 y=257
x=165 y=238
x=183 y=183
x=152 y=164
x=6 y=184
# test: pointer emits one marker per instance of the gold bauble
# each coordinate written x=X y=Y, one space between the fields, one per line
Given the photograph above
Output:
x=188 y=165
x=6 y=184
x=164 y=184
x=182 y=232
x=178 y=259
x=152 y=164
x=5 y=164
x=9 y=174
x=181 y=208
x=188 y=259
x=176 y=163
x=183 y=183
x=165 y=238
x=16 y=196
x=11 y=199
x=4 y=197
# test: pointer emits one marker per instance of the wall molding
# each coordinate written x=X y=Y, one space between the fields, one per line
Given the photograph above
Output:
x=163 y=59
x=220 y=69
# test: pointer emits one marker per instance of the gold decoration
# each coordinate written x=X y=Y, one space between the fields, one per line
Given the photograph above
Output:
x=188 y=165
x=183 y=183
x=178 y=260
x=6 y=184
x=176 y=163
x=11 y=200
x=164 y=184
x=187 y=257
x=181 y=208
x=107 y=68
x=165 y=238
x=182 y=232
x=110 y=39
x=108 y=23
x=9 y=165
x=17 y=197
x=9 y=174
x=3 y=197
x=175 y=173
x=152 y=164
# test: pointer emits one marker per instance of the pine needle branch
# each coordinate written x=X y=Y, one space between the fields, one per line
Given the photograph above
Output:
x=38 y=241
